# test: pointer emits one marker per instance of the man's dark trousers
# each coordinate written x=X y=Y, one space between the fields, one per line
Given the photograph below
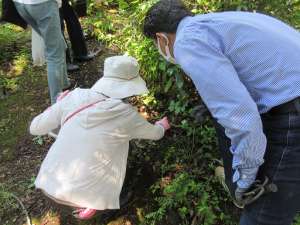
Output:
x=76 y=36
x=282 y=166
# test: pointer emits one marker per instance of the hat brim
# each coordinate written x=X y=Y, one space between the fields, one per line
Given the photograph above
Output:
x=117 y=88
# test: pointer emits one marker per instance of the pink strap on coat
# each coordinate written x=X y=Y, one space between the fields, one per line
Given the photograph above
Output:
x=81 y=110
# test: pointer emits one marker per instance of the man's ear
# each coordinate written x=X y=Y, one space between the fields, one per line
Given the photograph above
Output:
x=161 y=38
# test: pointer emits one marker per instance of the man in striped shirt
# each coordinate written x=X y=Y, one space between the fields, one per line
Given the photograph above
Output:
x=246 y=69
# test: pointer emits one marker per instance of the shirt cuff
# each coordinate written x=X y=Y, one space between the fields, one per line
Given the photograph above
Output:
x=245 y=177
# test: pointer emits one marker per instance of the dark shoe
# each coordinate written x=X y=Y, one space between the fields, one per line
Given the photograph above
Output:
x=72 y=86
x=106 y=215
x=83 y=57
x=71 y=67
x=125 y=198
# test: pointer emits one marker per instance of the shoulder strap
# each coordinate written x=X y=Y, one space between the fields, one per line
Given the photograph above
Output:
x=81 y=110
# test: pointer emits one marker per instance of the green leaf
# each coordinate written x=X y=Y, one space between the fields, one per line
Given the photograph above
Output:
x=185 y=190
x=164 y=75
x=244 y=7
x=241 y=6
x=123 y=5
x=40 y=141
x=170 y=70
x=37 y=137
x=179 y=80
x=169 y=84
x=172 y=106
x=207 y=155
x=163 y=65
x=30 y=186
x=152 y=68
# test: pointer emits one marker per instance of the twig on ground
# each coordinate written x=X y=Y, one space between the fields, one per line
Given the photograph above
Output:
x=25 y=211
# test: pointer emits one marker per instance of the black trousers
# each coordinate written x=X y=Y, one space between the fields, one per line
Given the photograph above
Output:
x=76 y=36
x=281 y=165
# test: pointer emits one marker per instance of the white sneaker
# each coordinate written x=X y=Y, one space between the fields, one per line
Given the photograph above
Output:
x=220 y=174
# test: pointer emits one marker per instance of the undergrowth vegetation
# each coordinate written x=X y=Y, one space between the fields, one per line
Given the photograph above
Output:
x=185 y=189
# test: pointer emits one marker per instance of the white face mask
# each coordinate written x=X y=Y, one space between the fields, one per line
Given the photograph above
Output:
x=169 y=58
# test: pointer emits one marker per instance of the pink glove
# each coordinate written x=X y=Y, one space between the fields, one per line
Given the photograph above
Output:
x=164 y=122
x=60 y=98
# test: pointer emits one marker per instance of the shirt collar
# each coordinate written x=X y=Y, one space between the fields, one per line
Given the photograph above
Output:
x=181 y=26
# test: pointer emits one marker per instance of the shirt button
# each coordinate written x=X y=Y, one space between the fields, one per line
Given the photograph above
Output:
x=241 y=161
x=244 y=176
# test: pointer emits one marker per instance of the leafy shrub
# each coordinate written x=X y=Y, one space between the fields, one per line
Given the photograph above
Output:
x=190 y=199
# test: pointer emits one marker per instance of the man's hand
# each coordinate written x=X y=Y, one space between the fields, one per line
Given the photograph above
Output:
x=200 y=112
x=239 y=195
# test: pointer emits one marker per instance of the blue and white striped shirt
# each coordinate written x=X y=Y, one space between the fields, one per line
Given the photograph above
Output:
x=242 y=64
x=30 y=2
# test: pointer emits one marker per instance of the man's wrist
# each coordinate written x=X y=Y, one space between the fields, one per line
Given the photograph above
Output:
x=245 y=177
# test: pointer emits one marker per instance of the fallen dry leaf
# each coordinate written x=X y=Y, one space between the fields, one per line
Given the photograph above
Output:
x=30 y=203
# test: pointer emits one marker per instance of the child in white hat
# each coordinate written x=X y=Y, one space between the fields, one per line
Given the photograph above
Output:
x=84 y=169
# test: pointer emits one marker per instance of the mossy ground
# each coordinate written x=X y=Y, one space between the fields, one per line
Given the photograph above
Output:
x=27 y=99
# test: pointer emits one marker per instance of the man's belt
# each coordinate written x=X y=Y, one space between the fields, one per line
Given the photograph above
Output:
x=283 y=108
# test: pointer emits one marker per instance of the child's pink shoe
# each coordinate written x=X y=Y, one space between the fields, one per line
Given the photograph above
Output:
x=84 y=213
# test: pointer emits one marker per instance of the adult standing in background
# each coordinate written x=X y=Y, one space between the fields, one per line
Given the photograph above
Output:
x=43 y=17
x=76 y=36
x=246 y=69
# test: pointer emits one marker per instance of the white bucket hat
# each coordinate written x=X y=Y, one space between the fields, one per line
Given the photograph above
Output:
x=121 y=78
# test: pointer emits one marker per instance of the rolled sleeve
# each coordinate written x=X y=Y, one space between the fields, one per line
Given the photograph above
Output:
x=245 y=177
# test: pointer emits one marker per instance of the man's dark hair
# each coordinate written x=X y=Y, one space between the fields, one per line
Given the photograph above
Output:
x=164 y=16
